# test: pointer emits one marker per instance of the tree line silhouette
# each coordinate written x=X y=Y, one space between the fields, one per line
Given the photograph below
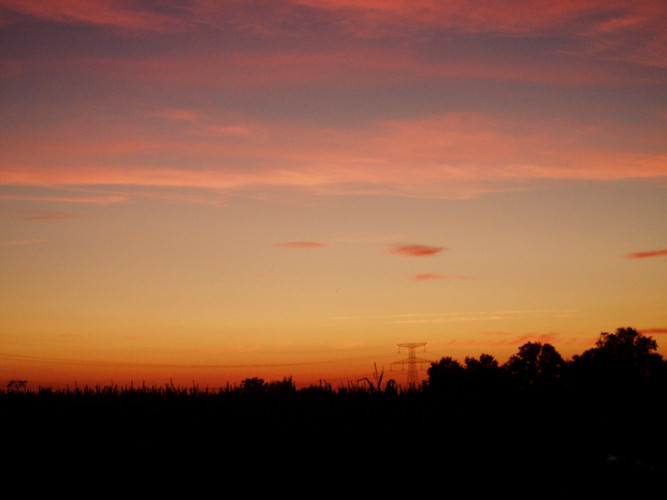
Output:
x=621 y=364
x=592 y=423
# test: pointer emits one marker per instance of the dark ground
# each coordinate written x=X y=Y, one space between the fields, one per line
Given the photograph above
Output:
x=320 y=441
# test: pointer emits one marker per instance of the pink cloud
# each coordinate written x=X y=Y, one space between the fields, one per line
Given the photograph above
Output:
x=416 y=250
x=428 y=277
x=378 y=17
x=456 y=155
x=654 y=331
x=509 y=16
x=645 y=255
x=448 y=155
x=111 y=13
x=300 y=244
x=340 y=67
x=608 y=29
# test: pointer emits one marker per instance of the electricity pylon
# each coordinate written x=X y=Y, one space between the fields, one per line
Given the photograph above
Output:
x=411 y=361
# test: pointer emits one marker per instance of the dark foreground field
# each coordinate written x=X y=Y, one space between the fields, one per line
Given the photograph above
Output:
x=275 y=436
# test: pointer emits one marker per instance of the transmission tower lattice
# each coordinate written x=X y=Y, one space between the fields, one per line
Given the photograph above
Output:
x=411 y=361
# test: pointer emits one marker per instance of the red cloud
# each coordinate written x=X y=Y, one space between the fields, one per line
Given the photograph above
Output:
x=653 y=331
x=416 y=250
x=644 y=255
x=112 y=14
x=300 y=244
x=481 y=157
x=431 y=276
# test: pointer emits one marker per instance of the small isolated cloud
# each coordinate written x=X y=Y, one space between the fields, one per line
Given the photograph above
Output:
x=644 y=255
x=300 y=244
x=416 y=250
x=435 y=276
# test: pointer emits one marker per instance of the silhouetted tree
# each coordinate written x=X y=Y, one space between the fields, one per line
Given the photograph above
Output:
x=486 y=363
x=286 y=385
x=483 y=376
x=620 y=386
x=253 y=385
x=445 y=376
x=536 y=365
x=622 y=361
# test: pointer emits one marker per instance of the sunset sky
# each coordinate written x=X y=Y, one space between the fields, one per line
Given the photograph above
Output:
x=208 y=191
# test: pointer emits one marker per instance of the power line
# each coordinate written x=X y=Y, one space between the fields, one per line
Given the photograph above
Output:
x=129 y=364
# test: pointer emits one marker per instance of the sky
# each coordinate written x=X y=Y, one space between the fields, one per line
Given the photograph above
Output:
x=198 y=192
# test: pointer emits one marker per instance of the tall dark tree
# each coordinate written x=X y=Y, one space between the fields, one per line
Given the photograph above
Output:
x=624 y=360
x=621 y=387
x=483 y=377
x=485 y=364
x=536 y=365
x=446 y=376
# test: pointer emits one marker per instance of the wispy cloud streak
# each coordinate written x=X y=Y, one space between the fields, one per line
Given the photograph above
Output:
x=110 y=13
x=654 y=331
x=415 y=250
x=603 y=30
x=646 y=255
x=451 y=155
